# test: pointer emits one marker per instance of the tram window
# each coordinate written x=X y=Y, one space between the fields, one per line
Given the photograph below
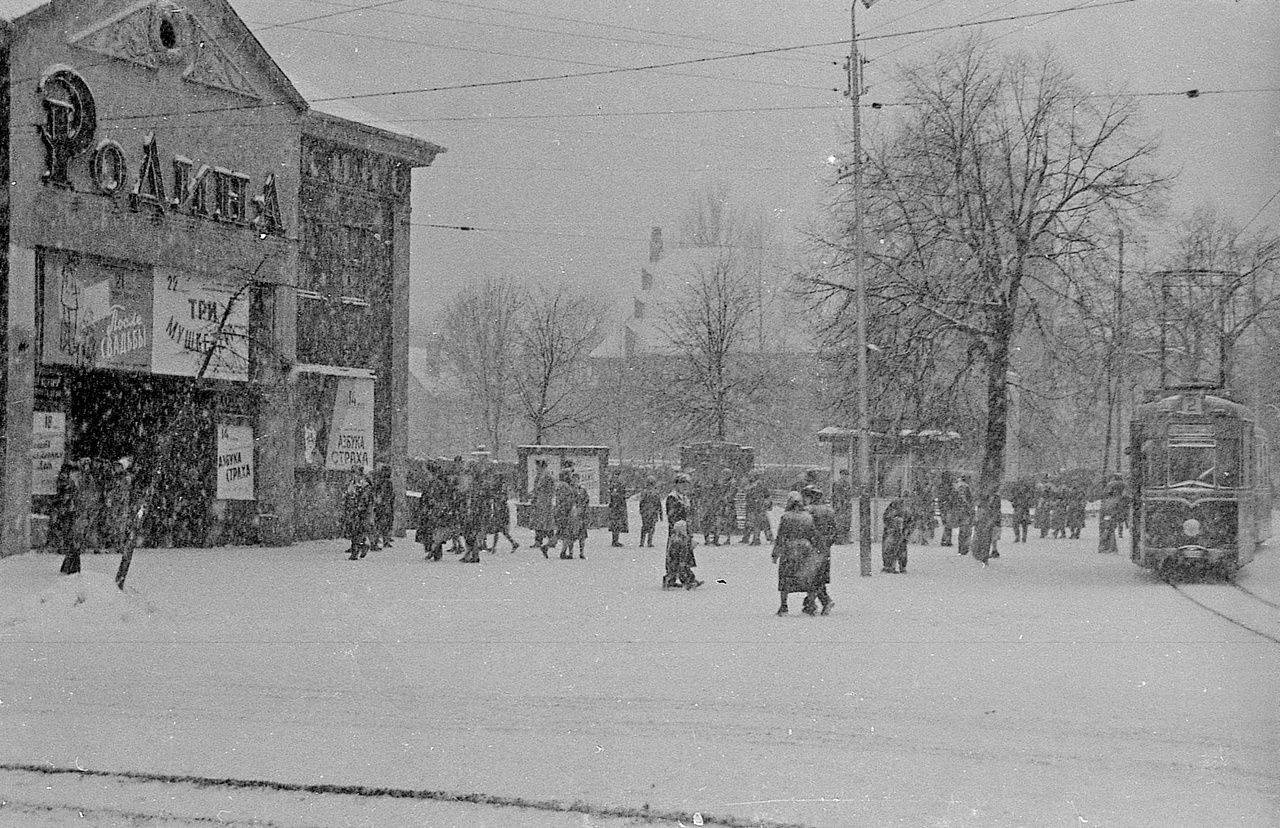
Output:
x=1191 y=462
x=1229 y=463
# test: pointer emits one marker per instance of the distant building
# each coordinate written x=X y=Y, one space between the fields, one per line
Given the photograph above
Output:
x=783 y=426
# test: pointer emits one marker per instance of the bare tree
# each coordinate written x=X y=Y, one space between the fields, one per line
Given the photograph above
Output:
x=999 y=175
x=1215 y=289
x=715 y=378
x=557 y=331
x=480 y=340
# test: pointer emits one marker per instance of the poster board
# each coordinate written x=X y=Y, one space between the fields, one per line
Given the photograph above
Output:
x=350 y=440
x=94 y=314
x=48 y=449
x=186 y=314
x=236 y=468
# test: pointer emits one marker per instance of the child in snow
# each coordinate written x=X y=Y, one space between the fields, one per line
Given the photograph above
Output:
x=680 y=560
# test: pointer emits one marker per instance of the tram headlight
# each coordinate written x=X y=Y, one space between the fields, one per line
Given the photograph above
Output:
x=1191 y=528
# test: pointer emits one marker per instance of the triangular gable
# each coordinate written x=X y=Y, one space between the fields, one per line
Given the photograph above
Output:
x=126 y=36
x=207 y=41
x=212 y=65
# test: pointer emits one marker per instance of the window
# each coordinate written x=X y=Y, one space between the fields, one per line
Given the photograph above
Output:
x=1204 y=461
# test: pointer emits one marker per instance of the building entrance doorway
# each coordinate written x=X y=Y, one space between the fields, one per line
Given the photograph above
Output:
x=167 y=429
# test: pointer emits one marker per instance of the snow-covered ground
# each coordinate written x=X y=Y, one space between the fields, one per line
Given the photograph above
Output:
x=1057 y=687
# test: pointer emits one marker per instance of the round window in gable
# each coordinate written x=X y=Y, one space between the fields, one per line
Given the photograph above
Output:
x=170 y=31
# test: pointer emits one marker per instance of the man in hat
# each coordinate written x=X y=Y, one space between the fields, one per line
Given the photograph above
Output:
x=650 y=511
x=842 y=504
x=757 y=502
x=542 y=500
x=357 y=512
x=825 y=531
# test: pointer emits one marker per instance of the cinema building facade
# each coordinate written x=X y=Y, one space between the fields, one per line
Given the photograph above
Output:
x=204 y=273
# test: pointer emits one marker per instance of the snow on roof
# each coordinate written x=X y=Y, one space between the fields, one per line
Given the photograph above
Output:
x=13 y=9
x=322 y=101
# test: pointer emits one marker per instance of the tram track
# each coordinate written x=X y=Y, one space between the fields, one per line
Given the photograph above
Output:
x=1265 y=624
x=1256 y=596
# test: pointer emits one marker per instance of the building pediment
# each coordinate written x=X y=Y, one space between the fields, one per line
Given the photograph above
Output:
x=159 y=34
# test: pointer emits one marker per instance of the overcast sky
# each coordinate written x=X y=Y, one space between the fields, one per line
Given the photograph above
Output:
x=568 y=175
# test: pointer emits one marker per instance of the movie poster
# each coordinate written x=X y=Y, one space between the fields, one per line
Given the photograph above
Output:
x=191 y=322
x=351 y=428
x=95 y=314
x=235 y=462
x=48 y=448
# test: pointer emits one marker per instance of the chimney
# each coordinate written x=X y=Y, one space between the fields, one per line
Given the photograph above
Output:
x=655 y=245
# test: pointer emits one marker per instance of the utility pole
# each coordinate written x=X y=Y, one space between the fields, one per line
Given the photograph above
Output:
x=1119 y=337
x=860 y=300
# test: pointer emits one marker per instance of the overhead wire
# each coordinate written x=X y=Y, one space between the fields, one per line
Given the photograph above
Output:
x=575 y=20
x=546 y=58
x=615 y=71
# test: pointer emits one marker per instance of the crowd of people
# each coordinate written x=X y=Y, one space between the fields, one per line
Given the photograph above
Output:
x=465 y=506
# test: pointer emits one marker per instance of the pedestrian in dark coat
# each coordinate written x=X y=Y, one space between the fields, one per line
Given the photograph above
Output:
x=1075 y=511
x=727 y=511
x=1110 y=515
x=582 y=499
x=357 y=512
x=384 y=507
x=542 y=501
x=680 y=560
x=617 y=508
x=757 y=504
x=1044 y=507
x=1059 y=497
x=946 y=508
x=706 y=507
x=962 y=514
x=65 y=527
x=1021 y=500
x=433 y=522
x=794 y=553
x=842 y=503
x=650 y=511
x=476 y=512
x=567 y=514
x=826 y=528
x=893 y=544
x=677 y=503
x=499 y=510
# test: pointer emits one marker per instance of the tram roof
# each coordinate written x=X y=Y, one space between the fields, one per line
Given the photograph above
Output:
x=1172 y=403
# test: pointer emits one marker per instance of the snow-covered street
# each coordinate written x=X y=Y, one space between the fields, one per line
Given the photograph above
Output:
x=1055 y=687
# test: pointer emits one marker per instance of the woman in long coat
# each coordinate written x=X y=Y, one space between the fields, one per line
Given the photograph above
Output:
x=542 y=501
x=66 y=527
x=617 y=509
x=795 y=553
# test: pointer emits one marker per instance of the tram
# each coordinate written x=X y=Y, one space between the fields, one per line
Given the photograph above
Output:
x=1202 y=483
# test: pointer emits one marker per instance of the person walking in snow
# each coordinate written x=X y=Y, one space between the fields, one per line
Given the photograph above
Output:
x=357 y=512
x=794 y=553
x=384 y=507
x=826 y=528
x=680 y=560
x=893 y=543
x=65 y=526
x=617 y=508
x=650 y=511
x=499 y=510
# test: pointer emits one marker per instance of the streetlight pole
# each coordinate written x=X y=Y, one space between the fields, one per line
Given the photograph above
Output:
x=860 y=301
